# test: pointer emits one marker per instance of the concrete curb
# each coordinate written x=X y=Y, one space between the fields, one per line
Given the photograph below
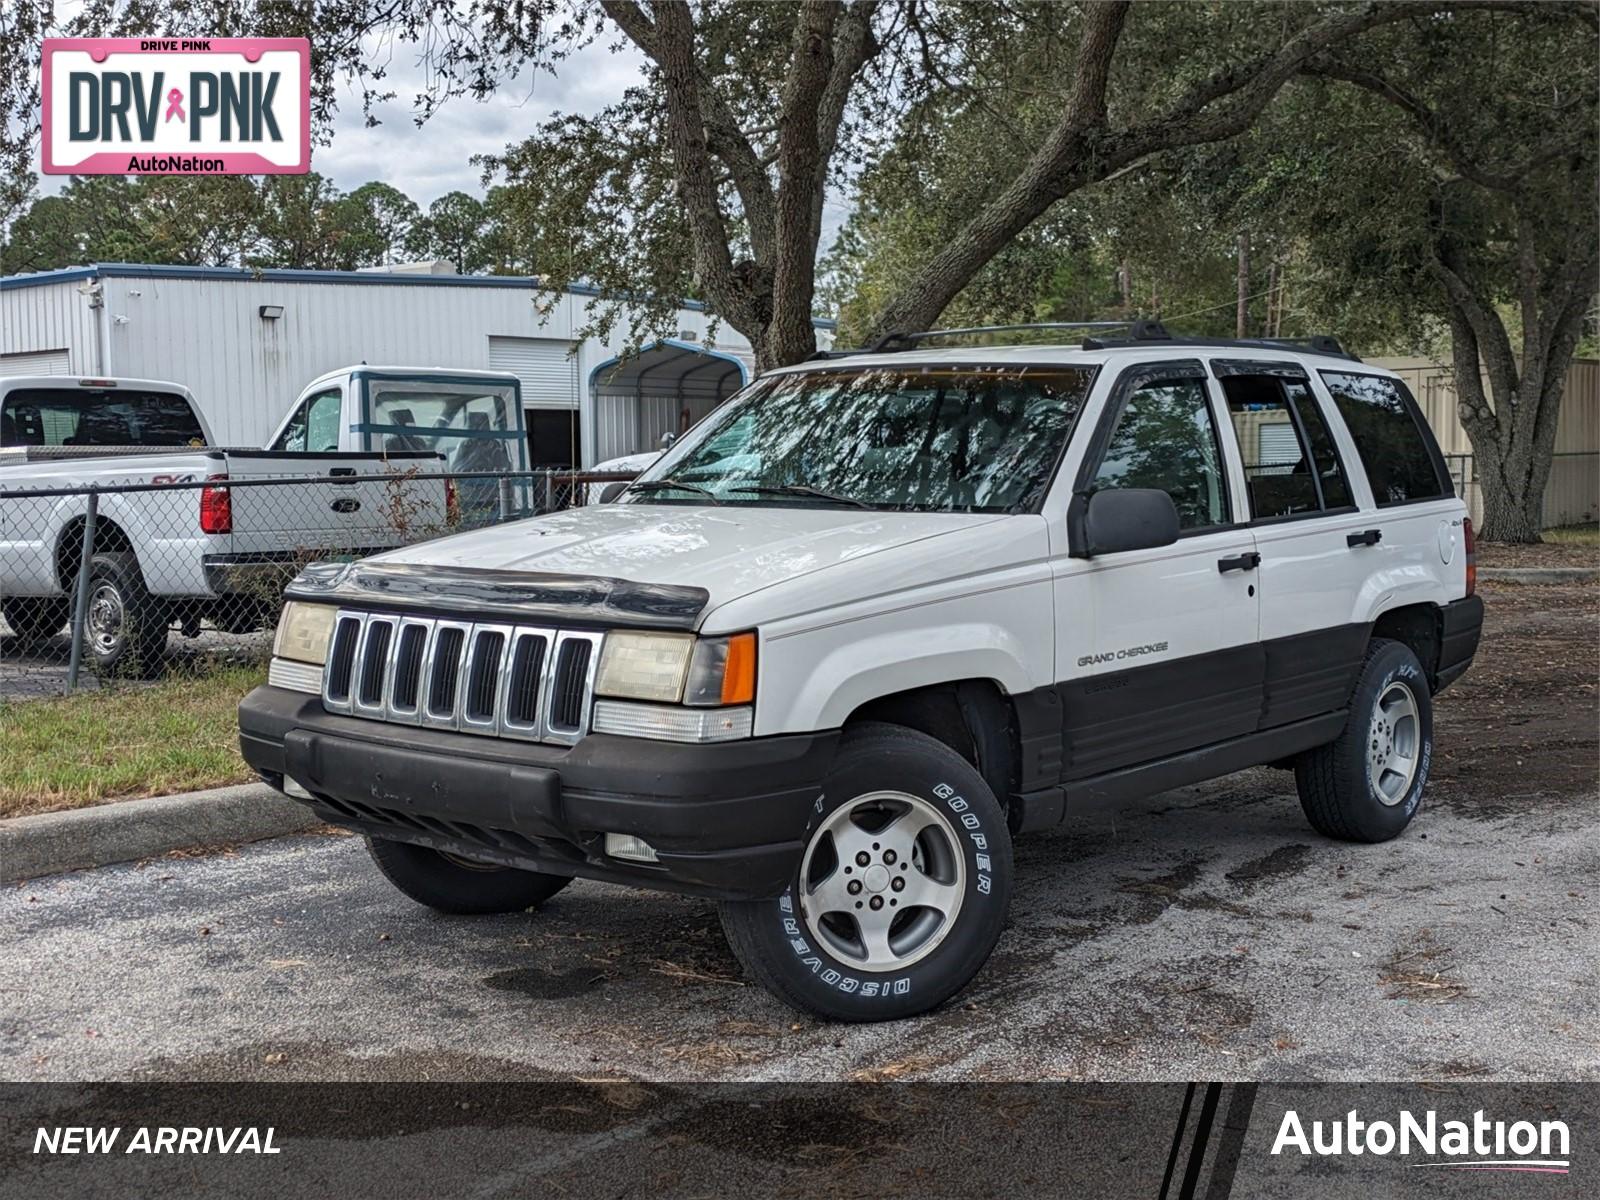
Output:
x=124 y=830
x=1538 y=574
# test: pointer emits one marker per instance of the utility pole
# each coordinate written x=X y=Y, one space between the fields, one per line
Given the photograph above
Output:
x=1242 y=318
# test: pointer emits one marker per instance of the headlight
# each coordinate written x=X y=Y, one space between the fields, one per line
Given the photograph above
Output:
x=677 y=668
x=644 y=666
x=304 y=631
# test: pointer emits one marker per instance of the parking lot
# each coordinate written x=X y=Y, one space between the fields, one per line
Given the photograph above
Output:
x=1202 y=933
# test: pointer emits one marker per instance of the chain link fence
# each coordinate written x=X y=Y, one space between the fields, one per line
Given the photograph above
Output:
x=156 y=579
x=1571 y=494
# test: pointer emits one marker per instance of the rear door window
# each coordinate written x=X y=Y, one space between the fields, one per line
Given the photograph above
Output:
x=1291 y=466
x=1386 y=426
x=97 y=417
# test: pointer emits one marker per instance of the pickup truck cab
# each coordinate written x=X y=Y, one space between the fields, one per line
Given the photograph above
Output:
x=180 y=535
x=876 y=616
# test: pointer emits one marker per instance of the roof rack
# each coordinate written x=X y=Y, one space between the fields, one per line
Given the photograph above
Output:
x=1146 y=332
x=900 y=341
x=1140 y=332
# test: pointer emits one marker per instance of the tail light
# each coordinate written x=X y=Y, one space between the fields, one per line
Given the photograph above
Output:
x=216 y=507
x=1472 y=555
x=450 y=499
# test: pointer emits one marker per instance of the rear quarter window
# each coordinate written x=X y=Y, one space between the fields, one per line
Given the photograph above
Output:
x=1386 y=426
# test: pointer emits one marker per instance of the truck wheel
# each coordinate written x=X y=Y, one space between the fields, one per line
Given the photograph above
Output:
x=32 y=619
x=124 y=628
x=1366 y=785
x=449 y=884
x=900 y=893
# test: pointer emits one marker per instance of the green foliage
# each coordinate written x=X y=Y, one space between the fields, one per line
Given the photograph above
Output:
x=1336 y=188
x=268 y=221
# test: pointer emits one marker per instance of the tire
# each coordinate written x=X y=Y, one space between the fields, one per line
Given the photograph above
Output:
x=815 y=958
x=453 y=885
x=1367 y=784
x=35 y=619
x=125 y=628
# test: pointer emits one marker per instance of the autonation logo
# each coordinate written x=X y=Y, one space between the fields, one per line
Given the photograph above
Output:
x=1478 y=1145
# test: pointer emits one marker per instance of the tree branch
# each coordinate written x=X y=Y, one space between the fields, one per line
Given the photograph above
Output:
x=1433 y=127
x=1080 y=151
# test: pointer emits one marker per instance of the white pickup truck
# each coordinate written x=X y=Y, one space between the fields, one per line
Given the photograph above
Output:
x=219 y=552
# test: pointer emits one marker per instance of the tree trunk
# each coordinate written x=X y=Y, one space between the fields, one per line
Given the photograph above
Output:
x=1512 y=425
x=1125 y=278
x=1241 y=321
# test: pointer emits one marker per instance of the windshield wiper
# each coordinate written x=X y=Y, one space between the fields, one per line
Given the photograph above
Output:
x=799 y=489
x=661 y=485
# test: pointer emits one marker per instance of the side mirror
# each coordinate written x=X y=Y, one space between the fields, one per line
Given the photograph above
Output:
x=612 y=490
x=667 y=439
x=1118 y=519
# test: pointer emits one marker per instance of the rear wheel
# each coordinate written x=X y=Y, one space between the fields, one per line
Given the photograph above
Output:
x=1367 y=785
x=124 y=628
x=449 y=883
x=34 y=619
x=900 y=893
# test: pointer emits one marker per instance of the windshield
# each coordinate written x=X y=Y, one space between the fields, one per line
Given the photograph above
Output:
x=475 y=427
x=97 y=417
x=944 y=439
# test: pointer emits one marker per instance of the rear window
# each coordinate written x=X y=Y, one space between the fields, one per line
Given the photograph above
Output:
x=1386 y=427
x=97 y=417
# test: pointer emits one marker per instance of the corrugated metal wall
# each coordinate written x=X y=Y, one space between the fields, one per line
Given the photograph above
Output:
x=53 y=316
x=246 y=370
x=1573 y=494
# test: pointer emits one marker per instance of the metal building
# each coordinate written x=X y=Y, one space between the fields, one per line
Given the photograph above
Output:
x=245 y=342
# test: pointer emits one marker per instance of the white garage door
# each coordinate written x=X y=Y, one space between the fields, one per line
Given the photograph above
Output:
x=1277 y=445
x=35 y=362
x=548 y=372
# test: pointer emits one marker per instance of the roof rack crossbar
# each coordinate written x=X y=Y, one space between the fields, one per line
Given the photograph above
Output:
x=895 y=340
x=1153 y=331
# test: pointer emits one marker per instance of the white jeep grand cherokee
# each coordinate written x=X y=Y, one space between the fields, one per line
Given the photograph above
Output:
x=876 y=616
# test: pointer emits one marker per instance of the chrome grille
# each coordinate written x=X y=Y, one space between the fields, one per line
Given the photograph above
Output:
x=498 y=680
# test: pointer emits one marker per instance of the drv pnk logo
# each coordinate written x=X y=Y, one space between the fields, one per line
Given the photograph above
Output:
x=198 y=106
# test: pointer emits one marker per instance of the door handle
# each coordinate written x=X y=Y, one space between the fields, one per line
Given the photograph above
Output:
x=1367 y=537
x=335 y=473
x=1240 y=562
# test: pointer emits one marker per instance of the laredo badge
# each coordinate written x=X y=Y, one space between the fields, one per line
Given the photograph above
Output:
x=169 y=106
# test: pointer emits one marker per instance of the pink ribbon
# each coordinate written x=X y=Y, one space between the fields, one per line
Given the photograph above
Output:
x=175 y=105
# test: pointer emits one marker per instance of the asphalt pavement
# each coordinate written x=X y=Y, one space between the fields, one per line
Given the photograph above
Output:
x=1206 y=933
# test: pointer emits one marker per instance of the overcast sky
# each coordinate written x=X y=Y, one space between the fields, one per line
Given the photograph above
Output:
x=425 y=163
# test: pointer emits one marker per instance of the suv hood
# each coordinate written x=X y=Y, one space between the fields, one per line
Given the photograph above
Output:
x=729 y=551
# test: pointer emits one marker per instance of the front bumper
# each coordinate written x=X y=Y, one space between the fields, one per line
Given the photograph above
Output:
x=727 y=819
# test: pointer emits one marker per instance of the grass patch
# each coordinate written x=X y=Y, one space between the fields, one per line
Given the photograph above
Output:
x=1573 y=535
x=119 y=743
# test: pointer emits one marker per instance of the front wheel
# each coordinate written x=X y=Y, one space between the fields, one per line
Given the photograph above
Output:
x=900 y=894
x=448 y=883
x=1367 y=785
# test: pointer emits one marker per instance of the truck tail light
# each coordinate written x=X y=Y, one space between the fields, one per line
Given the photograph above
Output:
x=1471 y=541
x=216 y=507
x=450 y=509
